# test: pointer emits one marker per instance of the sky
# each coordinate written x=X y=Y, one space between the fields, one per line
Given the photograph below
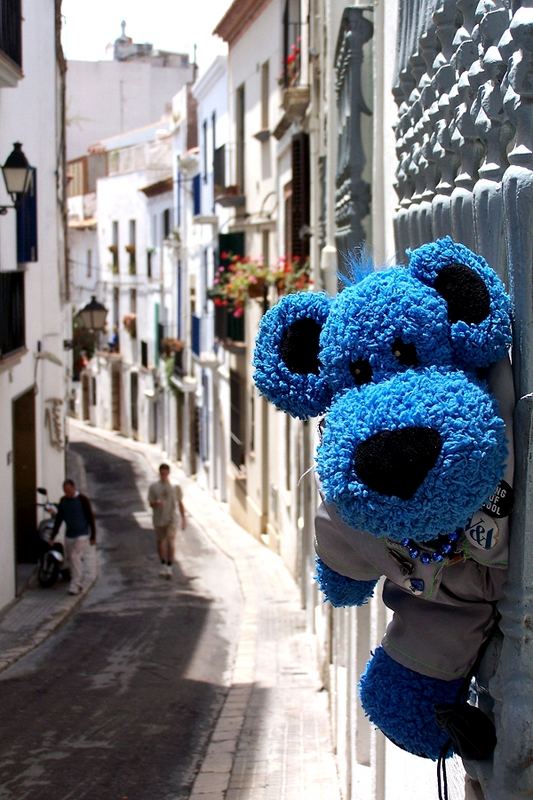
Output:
x=176 y=25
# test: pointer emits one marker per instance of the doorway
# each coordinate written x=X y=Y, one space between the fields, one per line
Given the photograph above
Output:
x=134 y=403
x=24 y=478
x=116 y=378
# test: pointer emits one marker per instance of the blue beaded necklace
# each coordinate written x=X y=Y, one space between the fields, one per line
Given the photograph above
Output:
x=443 y=547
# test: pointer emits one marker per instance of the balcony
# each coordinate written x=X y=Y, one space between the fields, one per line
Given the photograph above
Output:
x=12 y=328
x=230 y=197
x=229 y=330
x=10 y=42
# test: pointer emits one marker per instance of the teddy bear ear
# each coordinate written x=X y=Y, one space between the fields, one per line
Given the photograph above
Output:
x=287 y=364
x=479 y=309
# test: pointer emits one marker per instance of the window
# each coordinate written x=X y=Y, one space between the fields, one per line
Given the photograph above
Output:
x=204 y=149
x=265 y=247
x=179 y=298
x=133 y=301
x=205 y=272
x=265 y=80
x=144 y=353
x=11 y=30
x=292 y=41
x=77 y=171
x=219 y=170
x=178 y=199
x=113 y=247
x=196 y=195
x=287 y=228
x=240 y=130
x=300 y=203
x=149 y=256
x=89 y=263
x=116 y=305
x=26 y=212
x=130 y=248
x=166 y=223
x=12 y=328
x=213 y=149
x=237 y=420
x=252 y=421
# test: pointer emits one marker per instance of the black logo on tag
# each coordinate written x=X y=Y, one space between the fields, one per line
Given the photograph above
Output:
x=500 y=503
x=482 y=531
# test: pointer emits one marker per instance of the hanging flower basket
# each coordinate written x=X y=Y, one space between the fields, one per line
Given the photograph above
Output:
x=292 y=275
x=238 y=280
x=257 y=290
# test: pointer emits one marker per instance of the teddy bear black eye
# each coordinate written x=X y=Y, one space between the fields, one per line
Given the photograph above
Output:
x=405 y=353
x=361 y=371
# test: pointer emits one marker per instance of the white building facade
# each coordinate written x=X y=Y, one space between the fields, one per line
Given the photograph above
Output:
x=33 y=285
x=120 y=387
x=134 y=89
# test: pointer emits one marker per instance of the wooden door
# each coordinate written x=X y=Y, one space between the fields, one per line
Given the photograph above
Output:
x=24 y=477
x=115 y=399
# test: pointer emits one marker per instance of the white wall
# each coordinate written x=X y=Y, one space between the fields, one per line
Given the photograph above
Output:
x=107 y=97
x=28 y=113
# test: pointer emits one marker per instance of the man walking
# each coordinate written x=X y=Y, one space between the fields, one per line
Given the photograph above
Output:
x=76 y=512
x=163 y=498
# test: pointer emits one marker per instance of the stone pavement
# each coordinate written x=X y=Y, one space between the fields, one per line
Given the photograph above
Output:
x=272 y=738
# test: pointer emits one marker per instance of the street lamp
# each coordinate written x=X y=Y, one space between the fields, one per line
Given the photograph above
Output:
x=92 y=316
x=17 y=176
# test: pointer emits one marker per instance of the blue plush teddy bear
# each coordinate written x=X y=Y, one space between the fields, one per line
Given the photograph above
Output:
x=410 y=367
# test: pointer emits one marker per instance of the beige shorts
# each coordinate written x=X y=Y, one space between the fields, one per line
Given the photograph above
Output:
x=166 y=533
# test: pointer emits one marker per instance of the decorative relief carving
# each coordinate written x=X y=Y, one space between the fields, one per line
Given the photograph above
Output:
x=352 y=193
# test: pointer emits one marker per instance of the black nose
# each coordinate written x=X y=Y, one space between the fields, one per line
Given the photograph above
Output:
x=396 y=462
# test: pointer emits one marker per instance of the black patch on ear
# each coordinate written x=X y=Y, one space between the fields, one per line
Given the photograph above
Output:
x=465 y=292
x=300 y=346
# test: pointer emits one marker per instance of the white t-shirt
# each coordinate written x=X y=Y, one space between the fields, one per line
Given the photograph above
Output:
x=165 y=514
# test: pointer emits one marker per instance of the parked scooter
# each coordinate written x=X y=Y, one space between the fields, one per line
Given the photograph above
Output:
x=52 y=555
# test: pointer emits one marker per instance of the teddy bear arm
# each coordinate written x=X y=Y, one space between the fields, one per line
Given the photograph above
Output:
x=340 y=590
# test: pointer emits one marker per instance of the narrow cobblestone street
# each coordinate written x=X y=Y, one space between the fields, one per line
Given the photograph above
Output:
x=204 y=687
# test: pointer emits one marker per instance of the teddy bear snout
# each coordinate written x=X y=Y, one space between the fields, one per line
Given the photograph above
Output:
x=396 y=462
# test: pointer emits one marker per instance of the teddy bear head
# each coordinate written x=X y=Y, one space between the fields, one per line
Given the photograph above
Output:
x=412 y=442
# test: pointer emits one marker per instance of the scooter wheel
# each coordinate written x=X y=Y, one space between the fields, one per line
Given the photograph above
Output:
x=48 y=572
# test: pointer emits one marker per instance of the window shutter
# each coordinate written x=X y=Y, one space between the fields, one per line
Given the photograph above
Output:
x=300 y=195
x=219 y=169
x=27 y=223
x=237 y=418
x=196 y=189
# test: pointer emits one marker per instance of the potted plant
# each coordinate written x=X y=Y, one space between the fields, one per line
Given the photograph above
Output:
x=293 y=274
x=240 y=278
x=169 y=346
x=130 y=323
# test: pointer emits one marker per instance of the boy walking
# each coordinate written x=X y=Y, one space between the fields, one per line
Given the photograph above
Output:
x=76 y=512
x=165 y=499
